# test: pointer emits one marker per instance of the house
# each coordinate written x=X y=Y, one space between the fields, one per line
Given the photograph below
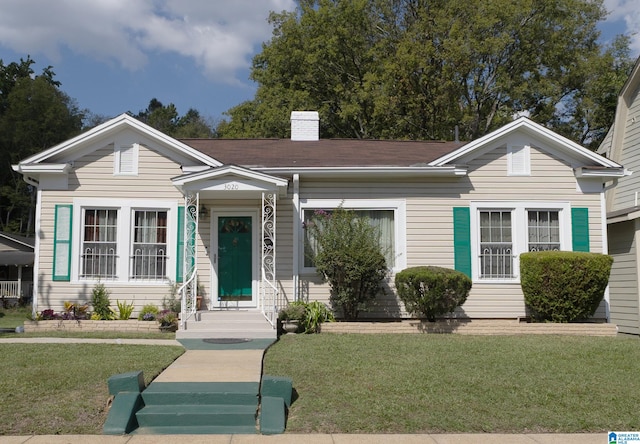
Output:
x=16 y=268
x=622 y=144
x=128 y=206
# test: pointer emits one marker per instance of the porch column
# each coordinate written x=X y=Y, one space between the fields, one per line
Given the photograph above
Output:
x=188 y=289
x=268 y=284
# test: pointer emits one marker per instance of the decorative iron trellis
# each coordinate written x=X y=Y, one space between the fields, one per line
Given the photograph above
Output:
x=268 y=285
x=188 y=289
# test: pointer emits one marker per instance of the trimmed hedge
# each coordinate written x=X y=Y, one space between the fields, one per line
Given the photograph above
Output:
x=563 y=286
x=430 y=291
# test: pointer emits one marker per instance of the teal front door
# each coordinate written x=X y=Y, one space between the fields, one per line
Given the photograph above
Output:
x=235 y=264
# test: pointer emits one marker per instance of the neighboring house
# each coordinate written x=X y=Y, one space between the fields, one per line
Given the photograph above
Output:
x=16 y=268
x=128 y=206
x=622 y=145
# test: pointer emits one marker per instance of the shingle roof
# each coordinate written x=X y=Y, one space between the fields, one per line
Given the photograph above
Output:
x=272 y=153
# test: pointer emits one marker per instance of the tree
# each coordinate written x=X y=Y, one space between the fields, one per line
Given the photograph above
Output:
x=418 y=69
x=167 y=120
x=34 y=115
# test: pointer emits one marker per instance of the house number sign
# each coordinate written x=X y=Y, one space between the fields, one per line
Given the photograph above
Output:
x=231 y=186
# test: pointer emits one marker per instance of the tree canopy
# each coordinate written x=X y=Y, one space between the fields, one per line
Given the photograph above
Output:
x=418 y=69
x=34 y=115
x=166 y=119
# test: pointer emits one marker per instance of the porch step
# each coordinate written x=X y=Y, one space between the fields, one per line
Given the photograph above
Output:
x=227 y=324
x=198 y=408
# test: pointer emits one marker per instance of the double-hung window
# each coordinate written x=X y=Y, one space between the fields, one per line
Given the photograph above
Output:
x=149 y=247
x=99 y=257
x=125 y=240
x=505 y=230
x=387 y=217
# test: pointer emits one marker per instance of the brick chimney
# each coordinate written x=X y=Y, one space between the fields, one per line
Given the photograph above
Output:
x=305 y=125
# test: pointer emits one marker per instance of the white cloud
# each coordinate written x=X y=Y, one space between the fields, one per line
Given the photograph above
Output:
x=220 y=35
x=626 y=12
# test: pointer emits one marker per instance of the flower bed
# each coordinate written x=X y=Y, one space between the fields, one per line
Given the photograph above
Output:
x=131 y=325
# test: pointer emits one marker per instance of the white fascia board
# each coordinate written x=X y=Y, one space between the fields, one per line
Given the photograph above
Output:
x=228 y=170
x=114 y=125
x=609 y=173
x=51 y=168
x=537 y=130
x=428 y=171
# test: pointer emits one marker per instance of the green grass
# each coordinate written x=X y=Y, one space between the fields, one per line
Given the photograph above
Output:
x=50 y=389
x=453 y=383
x=13 y=317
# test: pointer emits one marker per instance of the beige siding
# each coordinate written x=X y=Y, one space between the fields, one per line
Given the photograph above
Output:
x=625 y=190
x=623 y=283
x=429 y=228
x=93 y=177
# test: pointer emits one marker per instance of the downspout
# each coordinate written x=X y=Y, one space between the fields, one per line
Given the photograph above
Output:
x=296 y=235
x=36 y=256
x=605 y=248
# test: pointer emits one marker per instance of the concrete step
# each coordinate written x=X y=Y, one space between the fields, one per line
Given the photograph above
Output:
x=196 y=430
x=197 y=415
x=201 y=393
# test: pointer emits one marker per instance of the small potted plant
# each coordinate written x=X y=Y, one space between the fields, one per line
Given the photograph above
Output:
x=168 y=320
x=292 y=316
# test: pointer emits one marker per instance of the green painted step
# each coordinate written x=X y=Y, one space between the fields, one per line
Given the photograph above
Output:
x=197 y=430
x=196 y=415
x=201 y=393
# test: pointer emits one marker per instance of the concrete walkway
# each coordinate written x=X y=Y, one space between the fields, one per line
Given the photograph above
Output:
x=289 y=438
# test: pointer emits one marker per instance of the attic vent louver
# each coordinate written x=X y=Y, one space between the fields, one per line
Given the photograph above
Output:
x=305 y=126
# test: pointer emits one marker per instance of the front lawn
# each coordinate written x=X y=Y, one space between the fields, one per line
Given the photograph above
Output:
x=453 y=383
x=51 y=389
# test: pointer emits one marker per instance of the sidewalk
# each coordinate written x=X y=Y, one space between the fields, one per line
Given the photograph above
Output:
x=287 y=438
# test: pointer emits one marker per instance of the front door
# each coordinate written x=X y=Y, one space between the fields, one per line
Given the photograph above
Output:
x=235 y=265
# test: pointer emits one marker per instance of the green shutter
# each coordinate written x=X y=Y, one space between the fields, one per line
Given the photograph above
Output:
x=462 y=239
x=62 y=242
x=180 y=249
x=580 y=229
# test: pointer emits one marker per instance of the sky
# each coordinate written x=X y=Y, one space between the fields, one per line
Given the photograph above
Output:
x=114 y=56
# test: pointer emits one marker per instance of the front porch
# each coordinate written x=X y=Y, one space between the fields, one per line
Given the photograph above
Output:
x=229 y=253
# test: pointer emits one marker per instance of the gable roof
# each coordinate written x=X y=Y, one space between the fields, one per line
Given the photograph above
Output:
x=285 y=153
x=538 y=132
x=110 y=127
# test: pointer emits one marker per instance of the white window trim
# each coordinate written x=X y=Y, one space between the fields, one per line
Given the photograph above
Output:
x=519 y=227
x=126 y=208
x=117 y=159
x=521 y=152
x=399 y=220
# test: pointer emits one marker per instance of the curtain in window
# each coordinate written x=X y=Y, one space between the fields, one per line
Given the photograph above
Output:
x=496 y=245
x=99 y=247
x=544 y=230
x=383 y=220
x=149 y=256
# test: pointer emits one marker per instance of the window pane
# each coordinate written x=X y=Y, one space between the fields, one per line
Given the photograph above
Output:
x=383 y=220
x=99 y=246
x=149 y=250
x=496 y=248
x=543 y=230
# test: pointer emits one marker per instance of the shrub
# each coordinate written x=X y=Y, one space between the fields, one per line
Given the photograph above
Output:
x=148 y=313
x=349 y=257
x=124 y=310
x=101 y=303
x=310 y=314
x=432 y=291
x=75 y=311
x=172 y=302
x=563 y=286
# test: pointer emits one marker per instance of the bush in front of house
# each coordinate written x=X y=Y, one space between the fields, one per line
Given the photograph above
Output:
x=101 y=303
x=149 y=312
x=349 y=258
x=430 y=291
x=563 y=286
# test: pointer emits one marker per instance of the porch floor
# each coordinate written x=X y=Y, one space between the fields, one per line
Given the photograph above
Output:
x=227 y=324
